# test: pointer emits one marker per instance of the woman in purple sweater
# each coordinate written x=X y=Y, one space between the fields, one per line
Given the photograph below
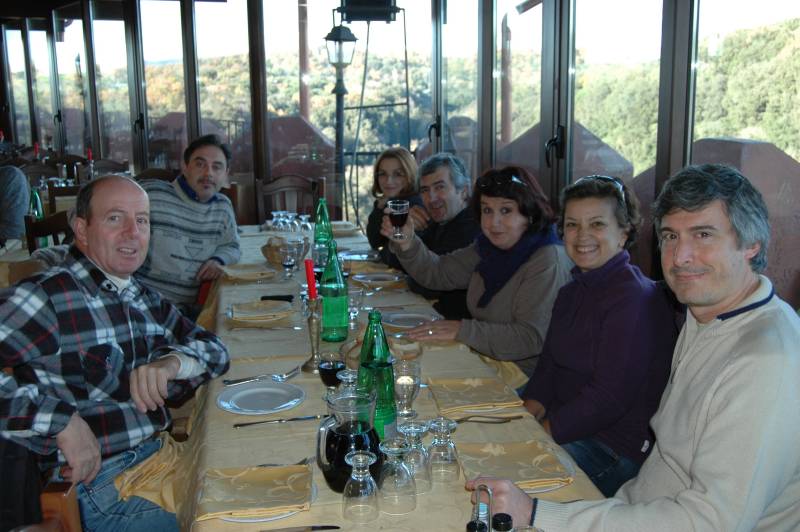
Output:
x=607 y=354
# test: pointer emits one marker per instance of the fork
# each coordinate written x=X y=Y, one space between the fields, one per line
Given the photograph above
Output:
x=304 y=461
x=277 y=377
x=493 y=420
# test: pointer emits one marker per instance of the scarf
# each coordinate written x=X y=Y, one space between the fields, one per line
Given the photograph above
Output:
x=497 y=265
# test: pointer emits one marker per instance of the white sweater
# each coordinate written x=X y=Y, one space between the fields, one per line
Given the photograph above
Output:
x=727 y=453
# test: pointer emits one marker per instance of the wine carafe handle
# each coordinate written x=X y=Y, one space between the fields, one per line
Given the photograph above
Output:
x=322 y=438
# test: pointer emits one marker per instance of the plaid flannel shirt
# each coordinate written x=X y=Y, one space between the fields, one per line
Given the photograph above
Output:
x=72 y=340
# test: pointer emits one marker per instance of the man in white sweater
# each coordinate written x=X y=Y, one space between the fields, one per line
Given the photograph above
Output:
x=193 y=226
x=726 y=456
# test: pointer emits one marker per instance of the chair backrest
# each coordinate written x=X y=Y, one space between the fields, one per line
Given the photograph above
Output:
x=232 y=193
x=55 y=226
x=104 y=166
x=54 y=192
x=294 y=193
x=36 y=170
x=164 y=174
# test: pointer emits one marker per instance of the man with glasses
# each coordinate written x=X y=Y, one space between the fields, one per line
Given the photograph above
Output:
x=194 y=227
x=726 y=455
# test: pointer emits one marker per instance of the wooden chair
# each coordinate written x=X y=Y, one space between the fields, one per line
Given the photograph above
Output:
x=164 y=174
x=294 y=193
x=55 y=226
x=109 y=166
x=54 y=192
x=232 y=193
x=35 y=171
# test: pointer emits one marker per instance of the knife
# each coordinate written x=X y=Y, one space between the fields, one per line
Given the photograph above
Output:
x=305 y=528
x=287 y=298
x=283 y=420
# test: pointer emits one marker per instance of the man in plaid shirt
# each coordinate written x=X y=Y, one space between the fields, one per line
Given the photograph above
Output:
x=95 y=354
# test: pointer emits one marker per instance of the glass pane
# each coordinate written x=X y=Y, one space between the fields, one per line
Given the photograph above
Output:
x=460 y=81
x=301 y=108
x=73 y=84
x=163 y=71
x=111 y=70
x=616 y=87
x=747 y=114
x=225 y=77
x=19 y=86
x=40 y=56
x=518 y=85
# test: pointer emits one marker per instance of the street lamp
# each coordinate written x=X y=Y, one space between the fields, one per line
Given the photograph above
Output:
x=341 y=43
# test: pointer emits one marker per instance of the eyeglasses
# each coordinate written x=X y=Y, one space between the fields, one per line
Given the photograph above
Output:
x=485 y=183
x=606 y=179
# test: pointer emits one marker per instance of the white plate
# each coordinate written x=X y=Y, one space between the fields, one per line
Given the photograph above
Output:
x=260 y=397
x=360 y=255
x=407 y=320
x=376 y=278
x=271 y=517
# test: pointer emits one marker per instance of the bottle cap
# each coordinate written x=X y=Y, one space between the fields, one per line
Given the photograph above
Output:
x=476 y=526
x=502 y=522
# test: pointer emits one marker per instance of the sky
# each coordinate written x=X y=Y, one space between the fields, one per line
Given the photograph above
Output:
x=608 y=31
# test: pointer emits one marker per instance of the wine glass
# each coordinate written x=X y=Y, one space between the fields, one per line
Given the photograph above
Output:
x=406 y=386
x=396 y=483
x=291 y=222
x=398 y=215
x=355 y=296
x=305 y=223
x=330 y=364
x=442 y=455
x=360 y=496
x=288 y=260
x=416 y=458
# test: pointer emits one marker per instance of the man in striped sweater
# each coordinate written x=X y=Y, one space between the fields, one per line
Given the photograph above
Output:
x=193 y=227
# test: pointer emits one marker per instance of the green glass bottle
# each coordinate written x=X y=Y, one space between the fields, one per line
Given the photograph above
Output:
x=375 y=371
x=36 y=209
x=323 y=233
x=334 y=299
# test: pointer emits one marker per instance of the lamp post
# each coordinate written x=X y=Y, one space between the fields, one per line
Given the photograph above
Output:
x=340 y=43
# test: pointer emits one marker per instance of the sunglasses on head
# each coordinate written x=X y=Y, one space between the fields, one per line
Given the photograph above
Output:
x=606 y=179
x=499 y=180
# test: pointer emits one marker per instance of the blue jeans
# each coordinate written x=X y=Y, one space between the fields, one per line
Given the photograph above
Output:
x=607 y=469
x=101 y=507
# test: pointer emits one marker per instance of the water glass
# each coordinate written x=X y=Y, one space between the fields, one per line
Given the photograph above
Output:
x=355 y=296
x=305 y=223
x=396 y=483
x=398 y=215
x=360 y=495
x=288 y=260
x=442 y=455
x=416 y=458
x=406 y=386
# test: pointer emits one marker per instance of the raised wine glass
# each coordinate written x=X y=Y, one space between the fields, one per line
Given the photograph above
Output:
x=398 y=215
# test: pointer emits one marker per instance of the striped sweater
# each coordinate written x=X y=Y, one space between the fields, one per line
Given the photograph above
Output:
x=184 y=234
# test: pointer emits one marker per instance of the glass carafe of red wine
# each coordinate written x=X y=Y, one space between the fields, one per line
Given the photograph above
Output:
x=349 y=428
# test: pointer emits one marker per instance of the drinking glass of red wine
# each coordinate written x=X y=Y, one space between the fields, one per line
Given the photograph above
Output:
x=398 y=215
x=330 y=364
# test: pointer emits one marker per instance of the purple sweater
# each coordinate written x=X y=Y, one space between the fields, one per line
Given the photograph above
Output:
x=606 y=358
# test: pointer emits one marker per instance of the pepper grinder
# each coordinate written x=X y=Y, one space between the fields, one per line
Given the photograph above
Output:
x=480 y=522
x=314 y=322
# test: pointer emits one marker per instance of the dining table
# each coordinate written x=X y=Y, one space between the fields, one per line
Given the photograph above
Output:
x=211 y=464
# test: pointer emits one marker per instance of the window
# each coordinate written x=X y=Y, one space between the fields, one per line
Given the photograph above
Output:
x=42 y=95
x=224 y=77
x=19 y=86
x=163 y=71
x=111 y=73
x=72 y=80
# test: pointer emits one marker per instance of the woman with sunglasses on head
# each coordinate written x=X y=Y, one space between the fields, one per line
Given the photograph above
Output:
x=394 y=178
x=607 y=355
x=512 y=272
